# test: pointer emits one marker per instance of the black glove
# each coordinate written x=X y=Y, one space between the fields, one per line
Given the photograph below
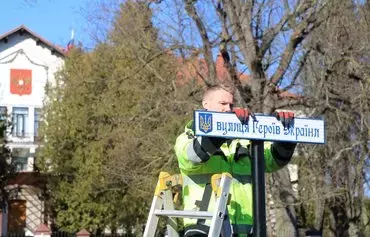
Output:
x=286 y=118
x=241 y=151
x=242 y=114
x=282 y=152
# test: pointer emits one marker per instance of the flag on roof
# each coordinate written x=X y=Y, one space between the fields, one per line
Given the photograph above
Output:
x=70 y=44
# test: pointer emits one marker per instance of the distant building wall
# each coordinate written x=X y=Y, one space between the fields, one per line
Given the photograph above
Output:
x=27 y=63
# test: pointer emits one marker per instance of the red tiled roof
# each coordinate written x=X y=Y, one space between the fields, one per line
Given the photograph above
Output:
x=197 y=68
x=23 y=28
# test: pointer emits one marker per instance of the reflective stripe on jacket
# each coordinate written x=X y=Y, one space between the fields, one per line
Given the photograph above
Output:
x=196 y=175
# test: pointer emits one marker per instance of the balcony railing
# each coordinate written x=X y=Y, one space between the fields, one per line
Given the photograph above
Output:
x=23 y=137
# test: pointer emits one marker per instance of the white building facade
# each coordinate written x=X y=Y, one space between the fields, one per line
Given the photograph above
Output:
x=27 y=63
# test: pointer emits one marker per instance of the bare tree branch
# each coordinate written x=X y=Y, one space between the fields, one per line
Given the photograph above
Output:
x=301 y=65
x=300 y=32
x=259 y=18
x=341 y=151
x=241 y=29
x=270 y=35
x=207 y=47
x=294 y=101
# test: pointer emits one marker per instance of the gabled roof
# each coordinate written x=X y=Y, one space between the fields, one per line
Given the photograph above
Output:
x=22 y=29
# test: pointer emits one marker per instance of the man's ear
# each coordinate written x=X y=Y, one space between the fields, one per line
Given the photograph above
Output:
x=204 y=103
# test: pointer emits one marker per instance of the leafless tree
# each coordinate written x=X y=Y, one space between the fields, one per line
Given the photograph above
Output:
x=336 y=78
x=263 y=39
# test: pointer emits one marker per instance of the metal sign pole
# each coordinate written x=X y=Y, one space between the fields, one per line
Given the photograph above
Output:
x=258 y=186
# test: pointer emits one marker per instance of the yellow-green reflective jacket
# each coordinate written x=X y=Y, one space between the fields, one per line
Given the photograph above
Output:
x=197 y=175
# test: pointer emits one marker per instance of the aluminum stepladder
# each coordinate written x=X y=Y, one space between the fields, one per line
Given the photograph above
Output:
x=163 y=205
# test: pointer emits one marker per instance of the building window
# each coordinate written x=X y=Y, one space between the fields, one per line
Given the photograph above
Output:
x=3 y=113
x=20 y=116
x=20 y=158
x=37 y=124
x=20 y=163
x=3 y=120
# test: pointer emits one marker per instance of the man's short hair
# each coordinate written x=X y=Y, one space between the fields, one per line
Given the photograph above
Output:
x=226 y=87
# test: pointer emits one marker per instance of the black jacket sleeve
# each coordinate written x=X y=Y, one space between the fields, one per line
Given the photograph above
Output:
x=202 y=148
x=282 y=152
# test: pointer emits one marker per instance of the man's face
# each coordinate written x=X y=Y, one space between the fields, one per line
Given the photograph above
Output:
x=218 y=101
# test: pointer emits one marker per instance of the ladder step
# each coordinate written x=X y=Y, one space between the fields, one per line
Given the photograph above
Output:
x=184 y=214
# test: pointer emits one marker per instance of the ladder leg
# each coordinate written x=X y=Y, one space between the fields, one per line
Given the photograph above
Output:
x=226 y=230
x=221 y=207
x=152 y=222
x=171 y=222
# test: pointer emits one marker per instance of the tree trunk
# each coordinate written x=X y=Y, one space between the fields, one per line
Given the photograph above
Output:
x=286 y=220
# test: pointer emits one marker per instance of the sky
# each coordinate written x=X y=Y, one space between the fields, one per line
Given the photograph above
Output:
x=51 y=19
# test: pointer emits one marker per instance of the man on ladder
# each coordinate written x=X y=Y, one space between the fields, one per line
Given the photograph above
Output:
x=200 y=157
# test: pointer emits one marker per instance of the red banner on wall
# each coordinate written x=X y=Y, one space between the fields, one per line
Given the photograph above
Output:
x=21 y=81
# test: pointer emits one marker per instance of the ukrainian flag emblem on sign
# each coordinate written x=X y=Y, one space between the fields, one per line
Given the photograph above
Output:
x=205 y=122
